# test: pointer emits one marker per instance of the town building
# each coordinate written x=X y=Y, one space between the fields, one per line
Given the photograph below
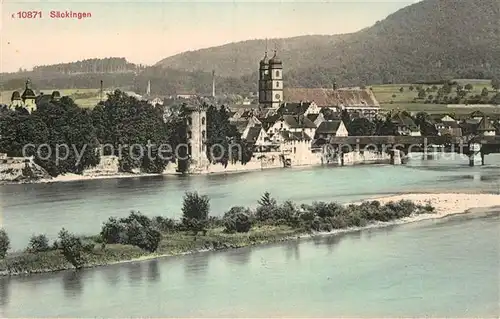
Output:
x=27 y=100
x=405 y=125
x=329 y=129
x=358 y=102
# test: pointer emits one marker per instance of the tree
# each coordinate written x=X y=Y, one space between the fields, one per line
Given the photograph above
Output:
x=72 y=248
x=495 y=83
x=422 y=94
x=38 y=243
x=346 y=118
x=238 y=219
x=195 y=210
x=447 y=88
x=362 y=127
x=123 y=121
x=4 y=243
x=412 y=88
x=401 y=89
x=266 y=200
x=468 y=87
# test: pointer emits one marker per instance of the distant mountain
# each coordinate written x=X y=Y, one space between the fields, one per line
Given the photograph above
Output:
x=432 y=39
x=429 y=40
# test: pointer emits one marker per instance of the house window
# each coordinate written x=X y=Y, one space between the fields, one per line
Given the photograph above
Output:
x=277 y=84
x=189 y=121
x=189 y=134
x=281 y=125
x=203 y=121
x=277 y=73
x=294 y=150
x=203 y=134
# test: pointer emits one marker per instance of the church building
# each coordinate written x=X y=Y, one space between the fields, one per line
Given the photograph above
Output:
x=27 y=100
x=270 y=82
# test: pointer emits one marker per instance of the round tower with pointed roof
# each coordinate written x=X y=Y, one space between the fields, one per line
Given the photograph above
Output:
x=29 y=97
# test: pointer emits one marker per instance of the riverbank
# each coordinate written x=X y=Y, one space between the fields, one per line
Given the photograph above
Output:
x=181 y=243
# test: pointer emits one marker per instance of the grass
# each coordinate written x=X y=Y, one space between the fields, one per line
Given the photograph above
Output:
x=439 y=108
x=390 y=98
x=175 y=243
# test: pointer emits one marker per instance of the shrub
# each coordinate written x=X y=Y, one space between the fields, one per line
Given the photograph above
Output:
x=239 y=222
x=137 y=216
x=113 y=232
x=38 y=243
x=195 y=210
x=165 y=224
x=72 y=248
x=4 y=243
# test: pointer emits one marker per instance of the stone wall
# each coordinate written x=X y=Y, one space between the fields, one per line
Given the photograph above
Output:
x=107 y=166
x=21 y=169
x=358 y=157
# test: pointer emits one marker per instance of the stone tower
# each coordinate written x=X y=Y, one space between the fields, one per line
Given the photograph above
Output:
x=270 y=82
x=275 y=85
x=264 y=78
x=29 y=97
x=197 y=135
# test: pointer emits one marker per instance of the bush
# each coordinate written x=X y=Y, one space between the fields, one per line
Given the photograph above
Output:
x=4 y=243
x=38 y=243
x=136 y=229
x=137 y=216
x=165 y=224
x=237 y=221
x=143 y=237
x=72 y=248
x=113 y=232
x=195 y=210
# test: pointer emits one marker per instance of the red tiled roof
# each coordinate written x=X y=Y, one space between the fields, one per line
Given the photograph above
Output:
x=330 y=97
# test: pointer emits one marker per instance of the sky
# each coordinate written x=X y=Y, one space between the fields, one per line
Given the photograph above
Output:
x=148 y=31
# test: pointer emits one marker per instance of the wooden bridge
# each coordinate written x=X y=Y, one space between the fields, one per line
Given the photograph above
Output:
x=468 y=145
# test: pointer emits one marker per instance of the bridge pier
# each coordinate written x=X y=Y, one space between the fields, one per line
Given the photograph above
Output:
x=396 y=157
x=482 y=158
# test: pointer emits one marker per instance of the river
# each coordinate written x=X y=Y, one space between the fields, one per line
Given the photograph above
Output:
x=431 y=268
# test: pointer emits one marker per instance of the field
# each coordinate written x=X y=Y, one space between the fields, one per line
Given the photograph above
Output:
x=391 y=98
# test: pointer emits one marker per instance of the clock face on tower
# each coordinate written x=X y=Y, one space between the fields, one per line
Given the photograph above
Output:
x=277 y=96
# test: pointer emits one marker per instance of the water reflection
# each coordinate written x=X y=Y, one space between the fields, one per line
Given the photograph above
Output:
x=112 y=274
x=135 y=271
x=292 y=250
x=73 y=283
x=4 y=293
x=153 y=271
x=239 y=256
x=196 y=265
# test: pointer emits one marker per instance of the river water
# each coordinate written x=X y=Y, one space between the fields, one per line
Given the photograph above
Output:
x=432 y=268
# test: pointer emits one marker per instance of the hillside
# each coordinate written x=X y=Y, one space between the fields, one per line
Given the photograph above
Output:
x=431 y=39
x=426 y=41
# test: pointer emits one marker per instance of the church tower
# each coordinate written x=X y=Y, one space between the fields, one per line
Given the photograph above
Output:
x=263 y=80
x=275 y=85
x=29 y=97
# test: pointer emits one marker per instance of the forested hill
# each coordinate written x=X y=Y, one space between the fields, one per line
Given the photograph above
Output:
x=107 y=65
x=429 y=39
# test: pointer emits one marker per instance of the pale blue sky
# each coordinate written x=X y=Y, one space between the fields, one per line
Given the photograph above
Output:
x=148 y=31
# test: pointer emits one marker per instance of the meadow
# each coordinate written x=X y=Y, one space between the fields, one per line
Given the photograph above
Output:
x=391 y=97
